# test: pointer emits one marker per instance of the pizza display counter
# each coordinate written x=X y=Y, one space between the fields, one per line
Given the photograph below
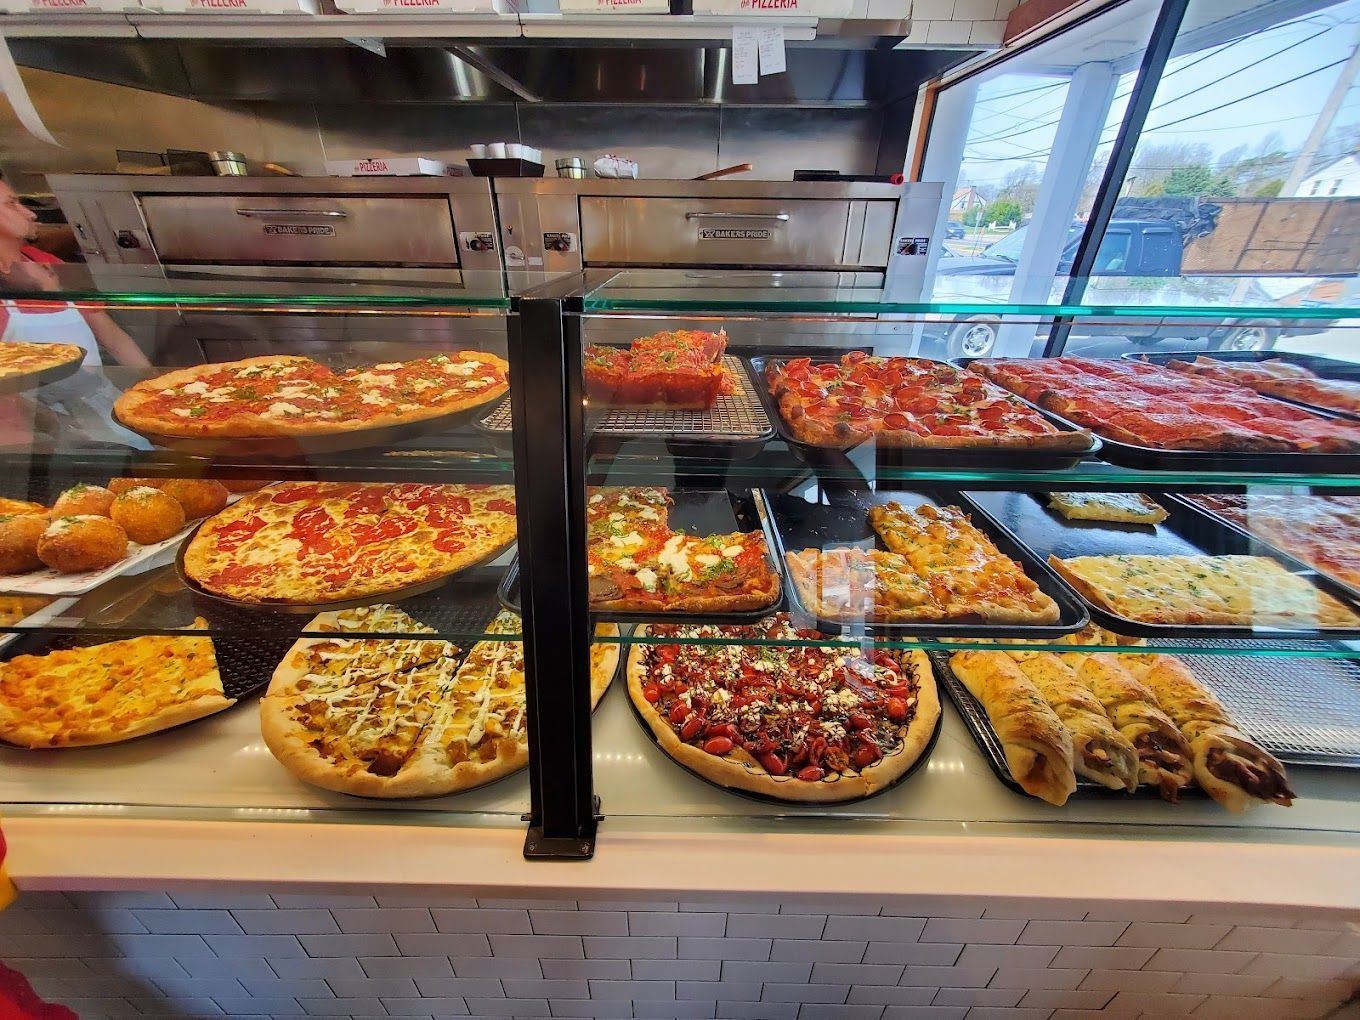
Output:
x=728 y=568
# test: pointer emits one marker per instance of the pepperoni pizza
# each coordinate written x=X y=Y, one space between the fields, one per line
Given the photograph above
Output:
x=283 y=395
x=681 y=369
x=305 y=543
x=905 y=402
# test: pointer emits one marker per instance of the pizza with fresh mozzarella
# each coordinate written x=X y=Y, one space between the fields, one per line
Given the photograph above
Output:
x=285 y=395
x=306 y=543
x=18 y=359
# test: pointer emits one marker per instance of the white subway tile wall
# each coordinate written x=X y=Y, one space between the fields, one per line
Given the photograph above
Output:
x=248 y=955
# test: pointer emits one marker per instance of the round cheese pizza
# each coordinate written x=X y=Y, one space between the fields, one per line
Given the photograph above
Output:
x=284 y=395
x=797 y=722
x=308 y=543
x=18 y=359
x=385 y=717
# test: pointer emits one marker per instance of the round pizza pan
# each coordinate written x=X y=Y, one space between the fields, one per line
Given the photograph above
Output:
x=765 y=798
x=292 y=448
x=32 y=380
x=310 y=609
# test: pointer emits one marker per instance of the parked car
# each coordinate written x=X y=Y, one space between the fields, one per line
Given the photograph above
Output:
x=953 y=231
x=1132 y=257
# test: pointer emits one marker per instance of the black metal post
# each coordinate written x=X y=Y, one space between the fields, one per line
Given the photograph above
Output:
x=549 y=441
x=1158 y=52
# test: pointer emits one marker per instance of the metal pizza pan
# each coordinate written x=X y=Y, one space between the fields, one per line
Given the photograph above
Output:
x=998 y=456
x=41 y=377
x=695 y=512
x=1185 y=532
x=838 y=515
x=1196 y=461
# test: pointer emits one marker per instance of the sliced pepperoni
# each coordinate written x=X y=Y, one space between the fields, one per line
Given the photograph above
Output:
x=449 y=543
x=230 y=537
x=503 y=506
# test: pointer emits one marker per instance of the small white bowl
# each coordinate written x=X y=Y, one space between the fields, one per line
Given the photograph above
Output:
x=496 y=150
x=514 y=150
x=478 y=151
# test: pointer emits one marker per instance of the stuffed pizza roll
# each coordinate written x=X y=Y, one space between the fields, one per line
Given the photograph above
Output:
x=1038 y=748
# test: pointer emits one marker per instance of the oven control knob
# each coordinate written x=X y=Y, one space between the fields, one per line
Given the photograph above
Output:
x=127 y=239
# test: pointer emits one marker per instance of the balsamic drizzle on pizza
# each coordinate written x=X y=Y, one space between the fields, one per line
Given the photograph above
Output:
x=807 y=712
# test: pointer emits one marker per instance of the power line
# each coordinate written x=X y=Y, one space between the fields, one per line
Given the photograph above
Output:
x=1243 y=99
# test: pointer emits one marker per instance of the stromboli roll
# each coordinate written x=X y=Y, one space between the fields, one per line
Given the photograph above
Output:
x=1037 y=746
x=1100 y=752
x=1227 y=764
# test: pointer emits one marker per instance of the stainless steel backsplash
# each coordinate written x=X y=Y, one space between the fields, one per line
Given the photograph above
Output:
x=92 y=119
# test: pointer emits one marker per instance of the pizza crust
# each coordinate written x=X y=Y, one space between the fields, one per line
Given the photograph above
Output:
x=812 y=433
x=739 y=771
x=16 y=728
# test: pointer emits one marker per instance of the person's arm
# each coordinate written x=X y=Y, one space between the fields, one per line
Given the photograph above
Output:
x=112 y=338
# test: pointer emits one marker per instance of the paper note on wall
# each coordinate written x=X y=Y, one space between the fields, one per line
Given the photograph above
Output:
x=745 y=56
x=770 y=43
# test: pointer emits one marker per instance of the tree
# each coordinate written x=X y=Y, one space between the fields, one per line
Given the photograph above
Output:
x=1021 y=186
x=1270 y=189
x=1003 y=210
x=1198 y=182
x=973 y=216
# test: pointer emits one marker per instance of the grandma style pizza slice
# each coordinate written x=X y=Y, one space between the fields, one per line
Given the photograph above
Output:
x=314 y=542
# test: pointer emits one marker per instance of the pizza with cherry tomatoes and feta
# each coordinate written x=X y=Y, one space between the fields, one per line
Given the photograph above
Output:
x=307 y=543
x=284 y=395
x=638 y=563
x=905 y=402
x=797 y=721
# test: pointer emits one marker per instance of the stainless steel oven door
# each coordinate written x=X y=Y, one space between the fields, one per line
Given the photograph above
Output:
x=775 y=233
x=326 y=230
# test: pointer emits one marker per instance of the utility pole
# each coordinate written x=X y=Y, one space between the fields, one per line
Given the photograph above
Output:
x=1303 y=164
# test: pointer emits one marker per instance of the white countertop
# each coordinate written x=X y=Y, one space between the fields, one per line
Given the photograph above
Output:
x=208 y=804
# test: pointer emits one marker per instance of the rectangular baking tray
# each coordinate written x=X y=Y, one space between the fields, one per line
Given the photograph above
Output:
x=843 y=521
x=1302 y=718
x=1271 y=549
x=994 y=457
x=696 y=512
x=1326 y=368
x=737 y=424
x=1153 y=459
x=1185 y=532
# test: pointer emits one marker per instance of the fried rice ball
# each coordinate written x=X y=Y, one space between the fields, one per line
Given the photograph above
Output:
x=76 y=544
x=19 y=534
x=21 y=506
x=200 y=497
x=243 y=484
x=118 y=486
x=83 y=500
x=147 y=515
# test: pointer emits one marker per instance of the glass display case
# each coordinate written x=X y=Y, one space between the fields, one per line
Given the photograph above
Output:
x=855 y=580
x=301 y=476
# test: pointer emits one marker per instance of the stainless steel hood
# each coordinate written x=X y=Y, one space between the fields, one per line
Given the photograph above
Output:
x=873 y=75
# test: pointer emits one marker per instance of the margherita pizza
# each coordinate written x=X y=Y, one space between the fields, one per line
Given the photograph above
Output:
x=18 y=359
x=285 y=395
x=387 y=717
x=908 y=402
x=306 y=543
x=681 y=369
x=796 y=721
x=102 y=694
x=638 y=564
x=1147 y=405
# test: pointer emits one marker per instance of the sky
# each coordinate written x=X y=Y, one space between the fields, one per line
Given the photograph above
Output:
x=1205 y=96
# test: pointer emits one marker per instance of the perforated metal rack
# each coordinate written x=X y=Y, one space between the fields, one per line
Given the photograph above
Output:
x=734 y=418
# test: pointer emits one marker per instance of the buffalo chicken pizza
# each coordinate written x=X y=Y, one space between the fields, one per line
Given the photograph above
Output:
x=1147 y=405
x=908 y=402
x=285 y=395
x=17 y=359
x=404 y=717
x=681 y=369
x=102 y=694
x=1230 y=591
x=795 y=721
x=937 y=568
x=637 y=563
x=1322 y=531
x=304 y=543
x=1276 y=377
